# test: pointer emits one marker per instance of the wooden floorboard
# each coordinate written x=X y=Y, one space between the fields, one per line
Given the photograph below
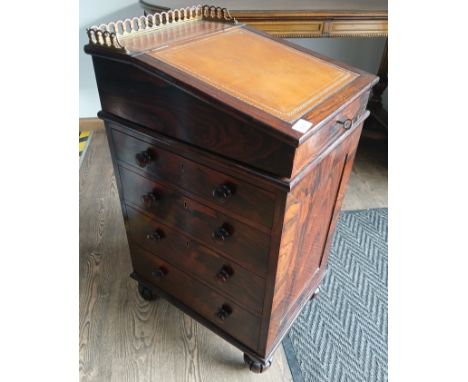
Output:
x=123 y=337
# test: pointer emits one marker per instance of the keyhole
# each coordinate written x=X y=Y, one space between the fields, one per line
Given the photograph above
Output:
x=187 y=244
x=185 y=204
x=182 y=169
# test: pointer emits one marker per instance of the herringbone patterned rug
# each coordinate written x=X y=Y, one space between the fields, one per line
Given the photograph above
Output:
x=341 y=336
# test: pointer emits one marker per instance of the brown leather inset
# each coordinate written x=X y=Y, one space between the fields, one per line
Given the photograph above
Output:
x=273 y=77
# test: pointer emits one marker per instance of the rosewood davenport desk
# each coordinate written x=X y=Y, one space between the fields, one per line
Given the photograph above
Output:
x=232 y=151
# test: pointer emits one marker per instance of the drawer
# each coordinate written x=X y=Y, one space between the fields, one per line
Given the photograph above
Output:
x=221 y=311
x=219 y=232
x=325 y=135
x=221 y=273
x=231 y=194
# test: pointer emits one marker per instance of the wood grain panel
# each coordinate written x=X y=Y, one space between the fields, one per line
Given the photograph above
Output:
x=244 y=287
x=245 y=245
x=311 y=211
x=329 y=131
x=352 y=147
x=243 y=325
x=253 y=203
x=150 y=101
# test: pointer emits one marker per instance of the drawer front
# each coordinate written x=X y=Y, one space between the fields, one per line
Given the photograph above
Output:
x=339 y=125
x=221 y=311
x=237 y=240
x=229 y=193
x=219 y=272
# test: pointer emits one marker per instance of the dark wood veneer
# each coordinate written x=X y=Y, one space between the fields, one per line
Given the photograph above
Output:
x=205 y=301
x=130 y=93
x=220 y=272
x=309 y=221
x=197 y=220
x=247 y=200
x=229 y=211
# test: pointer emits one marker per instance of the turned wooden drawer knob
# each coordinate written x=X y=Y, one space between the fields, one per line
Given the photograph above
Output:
x=144 y=158
x=156 y=235
x=222 y=193
x=150 y=199
x=225 y=273
x=159 y=273
x=224 y=312
x=346 y=124
x=221 y=234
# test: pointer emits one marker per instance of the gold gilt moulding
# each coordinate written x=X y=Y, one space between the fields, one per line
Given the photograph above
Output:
x=113 y=35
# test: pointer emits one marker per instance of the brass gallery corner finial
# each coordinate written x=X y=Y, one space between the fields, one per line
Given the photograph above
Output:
x=112 y=35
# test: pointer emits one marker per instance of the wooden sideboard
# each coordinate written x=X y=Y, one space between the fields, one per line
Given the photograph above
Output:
x=313 y=19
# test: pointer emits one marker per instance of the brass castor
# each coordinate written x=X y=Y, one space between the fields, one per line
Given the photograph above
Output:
x=255 y=365
x=316 y=293
x=146 y=293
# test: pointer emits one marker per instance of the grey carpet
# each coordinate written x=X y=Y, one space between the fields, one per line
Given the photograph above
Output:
x=342 y=334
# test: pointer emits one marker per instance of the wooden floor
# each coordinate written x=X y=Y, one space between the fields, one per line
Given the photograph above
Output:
x=123 y=337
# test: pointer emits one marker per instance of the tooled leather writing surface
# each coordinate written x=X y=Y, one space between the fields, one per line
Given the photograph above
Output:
x=275 y=78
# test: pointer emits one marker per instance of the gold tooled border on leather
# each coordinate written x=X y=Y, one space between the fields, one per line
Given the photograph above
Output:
x=345 y=78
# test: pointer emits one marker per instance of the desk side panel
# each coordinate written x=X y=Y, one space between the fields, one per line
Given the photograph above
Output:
x=312 y=209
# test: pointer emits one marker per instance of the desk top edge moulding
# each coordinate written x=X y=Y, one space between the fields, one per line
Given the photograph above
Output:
x=231 y=151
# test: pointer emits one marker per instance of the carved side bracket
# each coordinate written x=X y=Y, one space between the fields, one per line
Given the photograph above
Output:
x=113 y=34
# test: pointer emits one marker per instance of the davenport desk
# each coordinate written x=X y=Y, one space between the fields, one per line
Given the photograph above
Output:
x=232 y=151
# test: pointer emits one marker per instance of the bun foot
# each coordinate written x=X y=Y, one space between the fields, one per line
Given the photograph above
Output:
x=316 y=293
x=146 y=293
x=255 y=365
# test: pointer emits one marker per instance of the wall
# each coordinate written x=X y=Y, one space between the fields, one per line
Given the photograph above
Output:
x=95 y=13
x=363 y=53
